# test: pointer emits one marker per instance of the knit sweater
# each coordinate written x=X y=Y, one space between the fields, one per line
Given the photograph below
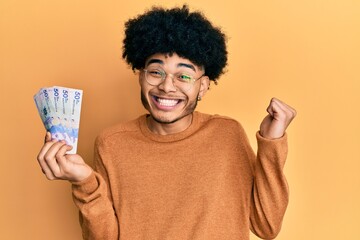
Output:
x=200 y=184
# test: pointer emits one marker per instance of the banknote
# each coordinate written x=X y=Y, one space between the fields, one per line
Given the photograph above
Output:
x=59 y=109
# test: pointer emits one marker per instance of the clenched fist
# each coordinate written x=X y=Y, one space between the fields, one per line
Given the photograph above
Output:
x=276 y=122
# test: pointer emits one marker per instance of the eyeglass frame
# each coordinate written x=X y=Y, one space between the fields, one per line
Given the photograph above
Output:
x=164 y=76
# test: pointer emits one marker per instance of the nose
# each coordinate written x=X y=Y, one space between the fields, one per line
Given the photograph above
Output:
x=168 y=84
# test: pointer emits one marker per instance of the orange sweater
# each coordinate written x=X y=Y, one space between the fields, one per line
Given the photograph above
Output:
x=201 y=184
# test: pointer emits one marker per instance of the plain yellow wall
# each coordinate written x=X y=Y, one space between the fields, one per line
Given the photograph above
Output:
x=306 y=53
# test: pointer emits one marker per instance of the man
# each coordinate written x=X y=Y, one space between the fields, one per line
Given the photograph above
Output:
x=176 y=173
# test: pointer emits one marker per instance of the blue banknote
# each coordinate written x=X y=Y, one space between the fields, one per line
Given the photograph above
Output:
x=59 y=109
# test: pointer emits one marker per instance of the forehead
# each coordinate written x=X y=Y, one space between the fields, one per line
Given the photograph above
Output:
x=172 y=61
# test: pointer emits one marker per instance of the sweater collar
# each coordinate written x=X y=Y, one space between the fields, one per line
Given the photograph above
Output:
x=194 y=126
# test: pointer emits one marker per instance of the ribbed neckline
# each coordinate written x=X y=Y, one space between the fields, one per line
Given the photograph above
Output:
x=170 y=137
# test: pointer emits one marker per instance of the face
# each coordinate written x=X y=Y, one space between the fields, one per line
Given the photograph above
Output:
x=165 y=102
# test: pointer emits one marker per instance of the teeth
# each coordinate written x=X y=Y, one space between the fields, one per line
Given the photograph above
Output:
x=167 y=102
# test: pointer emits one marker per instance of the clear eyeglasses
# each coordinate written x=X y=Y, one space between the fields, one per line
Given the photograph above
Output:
x=181 y=80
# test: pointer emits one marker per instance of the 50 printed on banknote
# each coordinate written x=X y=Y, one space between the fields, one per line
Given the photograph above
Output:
x=59 y=109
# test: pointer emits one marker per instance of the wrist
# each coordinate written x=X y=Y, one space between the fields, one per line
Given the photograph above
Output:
x=83 y=175
x=271 y=134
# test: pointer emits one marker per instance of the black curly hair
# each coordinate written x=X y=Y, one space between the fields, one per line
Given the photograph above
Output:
x=188 y=34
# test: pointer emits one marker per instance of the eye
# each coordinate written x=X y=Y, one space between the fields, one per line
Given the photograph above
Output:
x=184 y=77
x=156 y=73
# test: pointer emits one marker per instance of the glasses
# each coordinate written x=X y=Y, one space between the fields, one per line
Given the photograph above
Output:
x=181 y=80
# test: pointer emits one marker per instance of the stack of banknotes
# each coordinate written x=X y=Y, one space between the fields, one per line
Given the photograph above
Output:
x=59 y=109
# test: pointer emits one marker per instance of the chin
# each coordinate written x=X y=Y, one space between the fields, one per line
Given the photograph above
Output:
x=171 y=116
x=167 y=119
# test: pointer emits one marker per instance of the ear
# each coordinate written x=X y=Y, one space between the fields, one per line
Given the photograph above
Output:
x=204 y=85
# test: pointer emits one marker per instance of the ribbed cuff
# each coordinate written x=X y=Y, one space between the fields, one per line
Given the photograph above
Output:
x=273 y=150
x=267 y=140
x=88 y=185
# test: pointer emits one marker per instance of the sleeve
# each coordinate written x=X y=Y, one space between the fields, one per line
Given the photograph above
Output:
x=93 y=198
x=270 y=194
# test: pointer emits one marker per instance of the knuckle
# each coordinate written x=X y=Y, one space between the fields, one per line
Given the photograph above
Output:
x=48 y=144
x=291 y=114
x=294 y=112
x=58 y=156
x=47 y=158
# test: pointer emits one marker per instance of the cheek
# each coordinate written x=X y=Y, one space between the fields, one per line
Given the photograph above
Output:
x=144 y=89
x=144 y=101
x=193 y=93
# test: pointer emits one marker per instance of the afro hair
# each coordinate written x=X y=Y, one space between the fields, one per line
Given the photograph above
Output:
x=188 y=34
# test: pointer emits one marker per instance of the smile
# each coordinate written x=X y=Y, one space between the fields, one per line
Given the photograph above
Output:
x=165 y=102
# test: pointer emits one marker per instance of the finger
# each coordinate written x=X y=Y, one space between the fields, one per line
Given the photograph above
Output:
x=274 y=107
x=270 y=108
x=50 y=158
x=284 y=106
x=61 y=162
x=47 y=171
x=47 y=137
x=41 y=159
x=278 y=106
x=283 y=113
x=47 y=145
x=61 y=155
x=288 y=110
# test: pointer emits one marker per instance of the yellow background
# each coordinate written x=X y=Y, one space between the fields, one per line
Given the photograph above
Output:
x=306 y=53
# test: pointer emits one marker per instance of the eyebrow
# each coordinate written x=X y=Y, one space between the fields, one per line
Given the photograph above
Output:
x=154 y=61
x=179 y=64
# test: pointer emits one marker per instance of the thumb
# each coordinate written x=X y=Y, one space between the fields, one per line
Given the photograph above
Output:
x=68 y=149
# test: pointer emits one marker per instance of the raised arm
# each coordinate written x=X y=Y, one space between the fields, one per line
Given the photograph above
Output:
x=270 y=190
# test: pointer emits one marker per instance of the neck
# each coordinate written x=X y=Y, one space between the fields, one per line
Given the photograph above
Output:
x=169 y=128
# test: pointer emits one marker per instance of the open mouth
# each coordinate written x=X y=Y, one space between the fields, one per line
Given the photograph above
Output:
x=166 y=102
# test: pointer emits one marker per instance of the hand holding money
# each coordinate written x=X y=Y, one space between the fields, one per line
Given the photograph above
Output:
x=56 y=164
x=59 y=109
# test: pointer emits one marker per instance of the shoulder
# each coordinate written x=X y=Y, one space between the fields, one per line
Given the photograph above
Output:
x=220 y=121
x=114 y=132
x=219 y=125
x=224 y=129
